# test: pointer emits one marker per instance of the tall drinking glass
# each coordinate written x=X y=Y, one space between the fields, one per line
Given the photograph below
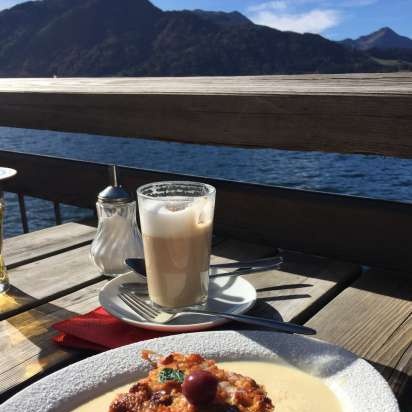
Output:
x=4 y=279
x=176 y=221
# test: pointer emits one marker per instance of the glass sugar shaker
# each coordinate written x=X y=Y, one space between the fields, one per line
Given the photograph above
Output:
x=118 y=236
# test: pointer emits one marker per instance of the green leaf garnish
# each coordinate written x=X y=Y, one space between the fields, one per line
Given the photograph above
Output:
x=169 y=374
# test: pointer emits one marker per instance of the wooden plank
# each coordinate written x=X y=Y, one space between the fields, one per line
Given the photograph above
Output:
x=347 y=114
x=46 y=279
x=332 y=84
x=301 y=287
x=26 y=338
x=26 y=346
x=43 y=243
x=366 y=231
x=373 y=318
x=231 y=250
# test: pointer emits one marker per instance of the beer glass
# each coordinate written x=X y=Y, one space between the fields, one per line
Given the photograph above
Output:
x=4 y=279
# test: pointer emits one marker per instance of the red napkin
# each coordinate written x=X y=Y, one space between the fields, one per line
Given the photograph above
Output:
x=99 y=331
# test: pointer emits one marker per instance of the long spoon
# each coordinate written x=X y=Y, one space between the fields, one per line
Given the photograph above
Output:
x=247 y=266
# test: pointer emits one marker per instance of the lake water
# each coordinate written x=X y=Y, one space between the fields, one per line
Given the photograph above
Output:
x=372 y=176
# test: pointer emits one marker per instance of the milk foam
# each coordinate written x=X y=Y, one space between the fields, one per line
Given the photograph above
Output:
x=175 y=218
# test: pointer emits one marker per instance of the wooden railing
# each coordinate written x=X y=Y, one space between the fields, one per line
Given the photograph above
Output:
x=339 y=113
x=348 y=113
x=367 y=231
x=23 y=210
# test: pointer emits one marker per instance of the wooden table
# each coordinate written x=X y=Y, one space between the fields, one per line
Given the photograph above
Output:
x=367 y=311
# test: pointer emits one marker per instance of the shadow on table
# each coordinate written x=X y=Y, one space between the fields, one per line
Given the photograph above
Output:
x=400 y=382
x=376 y=280
x=16 y=301
x=313 y=268
x=262 y=306
x=389 y=283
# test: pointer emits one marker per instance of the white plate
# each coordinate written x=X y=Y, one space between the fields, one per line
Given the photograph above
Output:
x=355 y=382
x=230 y=294
x=6 y=173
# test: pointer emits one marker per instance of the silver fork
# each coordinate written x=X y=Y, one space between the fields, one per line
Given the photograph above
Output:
x=152 y=314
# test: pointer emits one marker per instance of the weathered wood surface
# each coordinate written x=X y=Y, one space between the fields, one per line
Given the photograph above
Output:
x=373 y=318
x=334 y=84
x=26 y=347
x=46 y=279
x=348 y=113
x=298 y=288
x=304 y=282
x=301 y=286
x=342 y=227
x=43 y=243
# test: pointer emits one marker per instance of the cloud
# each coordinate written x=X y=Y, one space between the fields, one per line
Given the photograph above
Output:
x=283 y=4
x=357 y=3
x=5 y=4
x=313 y=21
x=269 y=5
x=314 y=16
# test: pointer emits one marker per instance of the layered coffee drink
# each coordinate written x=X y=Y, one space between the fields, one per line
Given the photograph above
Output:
x=176 y=221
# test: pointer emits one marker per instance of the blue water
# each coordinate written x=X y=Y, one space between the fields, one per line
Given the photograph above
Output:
x=372 y=176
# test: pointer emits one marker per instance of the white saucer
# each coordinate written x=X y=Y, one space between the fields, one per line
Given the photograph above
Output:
x=6 y=173
x=233 y=295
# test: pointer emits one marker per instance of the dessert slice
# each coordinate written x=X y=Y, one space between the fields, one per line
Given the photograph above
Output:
x=190 y=383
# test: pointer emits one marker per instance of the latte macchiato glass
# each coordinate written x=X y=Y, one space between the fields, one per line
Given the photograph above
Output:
x=176 y=220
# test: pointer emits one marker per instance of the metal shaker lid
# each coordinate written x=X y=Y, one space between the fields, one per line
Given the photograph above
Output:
x=114 y=193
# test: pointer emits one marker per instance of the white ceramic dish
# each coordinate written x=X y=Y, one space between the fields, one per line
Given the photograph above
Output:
x=358 y=386
x=7 y=173
x=226 y=294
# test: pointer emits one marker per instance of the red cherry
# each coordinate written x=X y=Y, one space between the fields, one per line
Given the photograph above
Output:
x=200 y=387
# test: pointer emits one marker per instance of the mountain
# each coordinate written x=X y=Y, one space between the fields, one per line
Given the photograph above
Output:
x=233 y=18
x=135 y=38
x=384 y=38
x=385 y=47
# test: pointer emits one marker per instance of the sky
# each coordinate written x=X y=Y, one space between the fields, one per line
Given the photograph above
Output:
x=334 y=19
